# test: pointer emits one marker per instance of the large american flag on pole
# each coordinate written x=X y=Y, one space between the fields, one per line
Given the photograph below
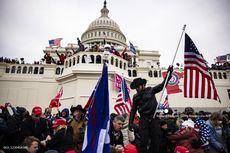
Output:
x=123 y=102
x=198 y=81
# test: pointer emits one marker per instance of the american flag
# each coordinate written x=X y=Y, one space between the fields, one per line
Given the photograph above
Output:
x=166 y=103
x=198 y=82
x=123 y=103
x=55 y=42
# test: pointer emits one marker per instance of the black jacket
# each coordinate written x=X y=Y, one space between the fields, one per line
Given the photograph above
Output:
x=62 y=141
x=116 y=137
x=39 y=129
x=145 y=102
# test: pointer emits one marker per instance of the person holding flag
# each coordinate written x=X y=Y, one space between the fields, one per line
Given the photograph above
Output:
x=145 y=102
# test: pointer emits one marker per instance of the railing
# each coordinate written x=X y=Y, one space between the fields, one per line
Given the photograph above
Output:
x=29 y=69
x=95 y=58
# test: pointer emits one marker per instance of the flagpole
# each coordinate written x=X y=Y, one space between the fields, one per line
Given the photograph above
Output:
x=167 y=76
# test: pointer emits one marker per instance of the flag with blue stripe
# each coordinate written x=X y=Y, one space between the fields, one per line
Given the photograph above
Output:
x=124 y=90
x=132 y=48
x=96 y=138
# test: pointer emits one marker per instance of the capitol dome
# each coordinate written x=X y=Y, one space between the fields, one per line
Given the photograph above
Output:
x=104 y=28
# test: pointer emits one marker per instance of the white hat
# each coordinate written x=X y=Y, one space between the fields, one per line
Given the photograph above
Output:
x=188 y=123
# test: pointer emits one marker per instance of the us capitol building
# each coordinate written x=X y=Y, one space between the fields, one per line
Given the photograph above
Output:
x=29 y=85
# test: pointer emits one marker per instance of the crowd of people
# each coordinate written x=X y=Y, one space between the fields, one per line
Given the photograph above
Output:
x=48 y=58
x=12 y=61
x=218 y=66
x=63 y=131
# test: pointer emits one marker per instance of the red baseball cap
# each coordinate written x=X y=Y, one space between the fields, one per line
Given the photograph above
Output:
x=37 y=111
x=59 y=121
x=181 y=149
x=129 y=148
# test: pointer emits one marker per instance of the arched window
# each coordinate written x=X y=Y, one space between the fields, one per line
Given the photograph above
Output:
x=58 y=71
x=66 y=64
x=84 y=57
x=124 y=66
x=30 y=70
x=224 y=75
x=13 y=69
x=19 y=69
x=112 y=60
x=98 y=59
x=91 y=59
x=36 y=70
x=41 y=71
x=116 y=63
x=134 y=73
x=7 y=69
x=74 y=61
x=219 y=75
x=150 y=73
x=78 y=59
x=129 y=73
x=160 y=73
x=214 y=75
x=155 y=74
x=121 y=64
x=24 y=70
x=70 y=62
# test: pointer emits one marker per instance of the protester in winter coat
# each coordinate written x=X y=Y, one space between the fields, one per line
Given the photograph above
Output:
x=35 y=125
x=128 y=136
x=226 y=129
x=204 y=131
x=65 y=115
x=217 y=141
x=78 y=125
x=62 y=58
x=163 y=137
x=62 y=140
x=186 y=136
x=144 y=101
x=116 y=136
x=14 y=127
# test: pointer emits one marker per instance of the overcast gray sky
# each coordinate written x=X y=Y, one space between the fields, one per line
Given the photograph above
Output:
x=27 y=25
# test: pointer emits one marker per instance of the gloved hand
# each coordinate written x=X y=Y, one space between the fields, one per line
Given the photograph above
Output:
x=170 y=69
x=130 y=126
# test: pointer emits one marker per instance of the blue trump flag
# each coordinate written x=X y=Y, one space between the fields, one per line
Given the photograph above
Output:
x=132 y=48
x=96 y=138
